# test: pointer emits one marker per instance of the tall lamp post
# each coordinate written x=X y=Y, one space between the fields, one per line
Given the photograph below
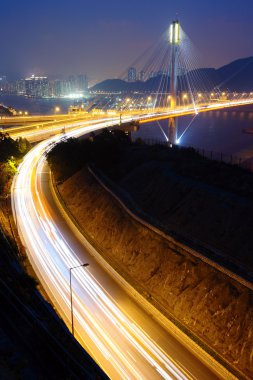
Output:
x=71 y=294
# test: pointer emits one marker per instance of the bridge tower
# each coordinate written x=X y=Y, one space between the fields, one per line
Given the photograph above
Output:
x=173 y=71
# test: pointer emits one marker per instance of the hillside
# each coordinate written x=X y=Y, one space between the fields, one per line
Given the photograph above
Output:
x=236 y=76
x=203 y=204
x=5 y=111
x=215 y=308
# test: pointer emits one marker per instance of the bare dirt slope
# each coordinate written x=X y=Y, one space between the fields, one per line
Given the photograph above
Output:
x=204 y=213
x=215 y=308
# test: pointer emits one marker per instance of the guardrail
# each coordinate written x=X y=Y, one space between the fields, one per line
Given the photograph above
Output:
x=229 y=159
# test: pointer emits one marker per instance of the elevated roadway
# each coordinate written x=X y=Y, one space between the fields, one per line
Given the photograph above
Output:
x=44 y=127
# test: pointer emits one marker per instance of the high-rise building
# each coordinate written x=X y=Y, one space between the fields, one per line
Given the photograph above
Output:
x=152 y=74
x=132 y=74
x=20 y=87
x=3 y=79
x=78 y=84
x=41 y=87
x=36 y=87
x=82 y=83
x=142 y=76
x=3 y=83
x=57 y=89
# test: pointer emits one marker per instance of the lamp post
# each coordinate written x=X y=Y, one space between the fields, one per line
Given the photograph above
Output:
x=71 y=295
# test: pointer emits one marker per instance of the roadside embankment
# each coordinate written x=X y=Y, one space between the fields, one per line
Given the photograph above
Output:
x=206 y=203
x=211 y=305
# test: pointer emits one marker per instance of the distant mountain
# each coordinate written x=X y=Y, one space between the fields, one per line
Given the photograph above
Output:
x=236 y=76
x=6 y=111
x=118 y=85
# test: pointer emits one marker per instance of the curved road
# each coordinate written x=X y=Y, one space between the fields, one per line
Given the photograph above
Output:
x=124 y=340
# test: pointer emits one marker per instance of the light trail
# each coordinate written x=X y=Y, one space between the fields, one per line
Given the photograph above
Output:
x=121 y=336
x=44 y=129
x=194 y=110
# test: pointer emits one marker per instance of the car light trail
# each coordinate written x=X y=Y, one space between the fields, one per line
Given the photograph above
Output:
x=103 y=325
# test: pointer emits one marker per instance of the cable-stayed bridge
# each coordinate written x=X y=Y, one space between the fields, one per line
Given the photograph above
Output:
x=180 y=88
x=176 y=88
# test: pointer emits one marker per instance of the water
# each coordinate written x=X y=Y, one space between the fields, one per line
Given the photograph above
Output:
x=36 y=106
x=217 y=131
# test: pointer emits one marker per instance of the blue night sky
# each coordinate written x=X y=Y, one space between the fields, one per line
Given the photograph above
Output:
x=102 y=38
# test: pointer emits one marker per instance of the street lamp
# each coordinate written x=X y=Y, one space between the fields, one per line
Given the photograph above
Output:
x=71 y=296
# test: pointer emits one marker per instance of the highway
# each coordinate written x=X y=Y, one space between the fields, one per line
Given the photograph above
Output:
x=161 y=114
x=46 y=131
x=38 y=128
x=125 y=340
x=42 y=127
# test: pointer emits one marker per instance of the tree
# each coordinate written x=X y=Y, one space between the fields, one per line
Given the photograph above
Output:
x=23 y=145
x=7 y=171
x=8 y=147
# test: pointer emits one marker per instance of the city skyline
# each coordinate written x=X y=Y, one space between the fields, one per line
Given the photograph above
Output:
x=103 y=41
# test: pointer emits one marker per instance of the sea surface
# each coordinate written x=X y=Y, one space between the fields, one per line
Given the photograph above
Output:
x=216 y=131
x=35 y=106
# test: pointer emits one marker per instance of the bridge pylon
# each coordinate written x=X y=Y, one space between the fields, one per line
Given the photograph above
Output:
x=175 y=38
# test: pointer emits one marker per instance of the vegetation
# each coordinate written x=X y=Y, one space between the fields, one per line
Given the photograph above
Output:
x=71 y=155
x=31 y=334
x=114 y=153
x=190 y=198
x=11 y=151
x=185 y=195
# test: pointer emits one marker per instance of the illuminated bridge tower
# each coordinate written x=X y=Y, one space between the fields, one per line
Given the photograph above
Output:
x=175 y=43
